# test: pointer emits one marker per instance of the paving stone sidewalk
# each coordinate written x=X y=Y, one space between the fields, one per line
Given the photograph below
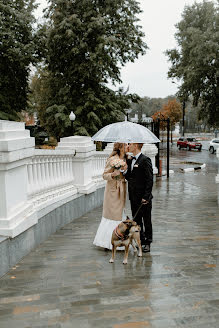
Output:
x=69 y=283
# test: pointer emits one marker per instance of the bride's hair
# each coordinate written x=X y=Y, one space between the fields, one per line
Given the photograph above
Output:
x=116 y=148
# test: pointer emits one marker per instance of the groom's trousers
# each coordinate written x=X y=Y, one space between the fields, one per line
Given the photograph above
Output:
x=143 y=218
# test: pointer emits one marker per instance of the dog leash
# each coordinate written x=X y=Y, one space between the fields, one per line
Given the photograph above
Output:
x=137 y=211
x=141 y=206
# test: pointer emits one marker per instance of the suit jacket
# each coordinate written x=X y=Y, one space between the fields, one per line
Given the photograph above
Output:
x=140 y=179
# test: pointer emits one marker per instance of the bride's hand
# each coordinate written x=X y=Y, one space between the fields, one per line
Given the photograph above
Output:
x=115 y=173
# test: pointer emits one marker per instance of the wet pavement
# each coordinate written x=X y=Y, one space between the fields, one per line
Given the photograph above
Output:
x=67 y=282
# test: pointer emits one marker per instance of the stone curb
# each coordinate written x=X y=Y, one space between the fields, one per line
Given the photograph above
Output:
x=164 y=172
x=192 y=169
x=189 y=169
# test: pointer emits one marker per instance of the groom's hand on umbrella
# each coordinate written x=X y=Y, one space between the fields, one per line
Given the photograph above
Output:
x=144 y=201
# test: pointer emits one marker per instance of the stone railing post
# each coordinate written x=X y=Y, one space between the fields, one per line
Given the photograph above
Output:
x=84 y=149
x=16 y=148
x=150 y=150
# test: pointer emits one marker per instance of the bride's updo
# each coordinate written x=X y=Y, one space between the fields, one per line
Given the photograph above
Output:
x=116 y=149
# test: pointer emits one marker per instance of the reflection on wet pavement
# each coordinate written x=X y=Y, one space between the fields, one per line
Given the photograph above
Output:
x=67 y=282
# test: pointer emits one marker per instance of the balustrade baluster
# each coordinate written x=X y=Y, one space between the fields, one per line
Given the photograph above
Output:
x=66 y=169
x=93 y=166
x=54 y=171
x=58 y=165
x=57 y=171
x=97 y=165
x=35 y=181
x=47 y=177
x=62 y=169
x=51 y=173
x=43 y=174
x=71 y=168
x=39 y=173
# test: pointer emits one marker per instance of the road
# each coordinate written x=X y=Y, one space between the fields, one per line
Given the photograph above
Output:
x=184 y=158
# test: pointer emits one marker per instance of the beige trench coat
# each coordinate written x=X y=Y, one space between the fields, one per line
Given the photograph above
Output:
x=115 y=193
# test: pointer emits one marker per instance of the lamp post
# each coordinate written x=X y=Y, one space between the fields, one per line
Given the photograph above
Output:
x=72 y=118
x=183 y=118
x=128 y=111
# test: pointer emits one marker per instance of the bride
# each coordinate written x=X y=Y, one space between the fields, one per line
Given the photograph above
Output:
x=114 y=196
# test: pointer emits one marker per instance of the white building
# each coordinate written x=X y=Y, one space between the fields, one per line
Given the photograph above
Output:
x=144 y=119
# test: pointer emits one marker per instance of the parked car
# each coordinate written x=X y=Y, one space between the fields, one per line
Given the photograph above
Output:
x=214 y=145
x=189 y=143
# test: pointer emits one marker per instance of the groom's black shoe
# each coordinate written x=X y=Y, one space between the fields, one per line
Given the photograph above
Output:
x=146 y=248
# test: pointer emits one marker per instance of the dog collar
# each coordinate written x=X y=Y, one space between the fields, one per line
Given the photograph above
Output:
x=118 y=233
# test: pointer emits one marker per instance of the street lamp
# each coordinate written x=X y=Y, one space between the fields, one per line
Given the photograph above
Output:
x=128 y=111
x=72 y=118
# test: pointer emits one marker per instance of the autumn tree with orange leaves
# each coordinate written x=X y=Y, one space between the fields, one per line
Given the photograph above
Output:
x=172 y=109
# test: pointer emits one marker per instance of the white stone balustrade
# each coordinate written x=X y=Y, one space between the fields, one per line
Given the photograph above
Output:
x=50 y=175
x=99 y=162
x=84 y=149
x=98 y=165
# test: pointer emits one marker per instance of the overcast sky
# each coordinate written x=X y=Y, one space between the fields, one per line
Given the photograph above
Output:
x=148 y=75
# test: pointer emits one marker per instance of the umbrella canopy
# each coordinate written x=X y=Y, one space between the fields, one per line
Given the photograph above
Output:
x=125 y=132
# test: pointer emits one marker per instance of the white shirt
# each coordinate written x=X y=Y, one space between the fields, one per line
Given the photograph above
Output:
x=134 y=160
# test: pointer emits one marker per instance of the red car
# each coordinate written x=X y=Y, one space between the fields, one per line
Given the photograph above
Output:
x=189 y=143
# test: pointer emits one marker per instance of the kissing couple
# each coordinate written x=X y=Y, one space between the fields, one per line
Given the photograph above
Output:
x=125 y=164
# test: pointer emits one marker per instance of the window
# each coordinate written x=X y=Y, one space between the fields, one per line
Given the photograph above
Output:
x=191 y=139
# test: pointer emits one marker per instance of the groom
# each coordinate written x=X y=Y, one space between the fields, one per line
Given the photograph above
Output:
x=140 y=182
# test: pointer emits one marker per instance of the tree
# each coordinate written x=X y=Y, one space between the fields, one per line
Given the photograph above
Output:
x=87 y=42
x=196 y=60
x=171 y=110
x=149 y=106
x=16 y=54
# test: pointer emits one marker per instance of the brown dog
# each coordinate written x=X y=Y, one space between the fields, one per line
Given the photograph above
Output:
x=126 y=233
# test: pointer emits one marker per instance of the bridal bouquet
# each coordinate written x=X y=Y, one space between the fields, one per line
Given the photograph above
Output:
x=116 y=164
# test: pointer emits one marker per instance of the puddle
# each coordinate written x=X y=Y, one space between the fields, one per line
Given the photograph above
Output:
x=192 y=163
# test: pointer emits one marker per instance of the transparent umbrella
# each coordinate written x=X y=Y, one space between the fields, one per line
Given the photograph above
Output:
x=125 y=132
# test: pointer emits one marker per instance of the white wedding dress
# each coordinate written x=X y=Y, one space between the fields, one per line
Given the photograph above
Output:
x=104 y=232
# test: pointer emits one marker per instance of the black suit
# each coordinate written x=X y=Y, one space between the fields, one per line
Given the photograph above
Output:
x=140 y=183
